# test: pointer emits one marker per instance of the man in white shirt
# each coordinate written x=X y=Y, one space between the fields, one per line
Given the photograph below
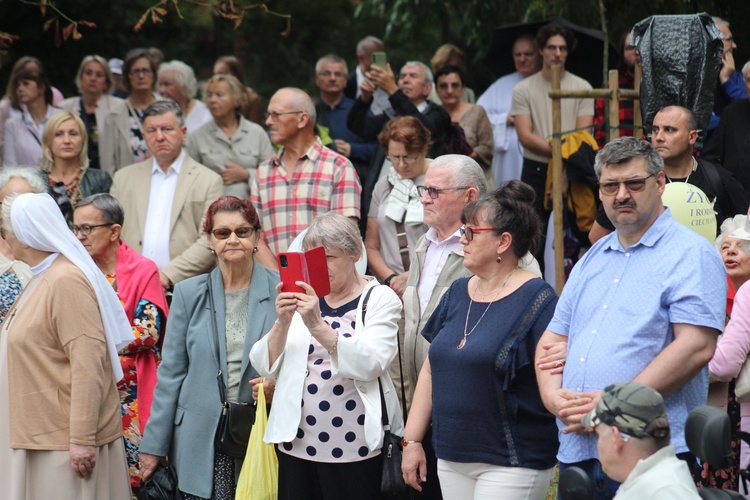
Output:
x=631 y=422
x=166 y=197
x=365 y=48
x=497 y=99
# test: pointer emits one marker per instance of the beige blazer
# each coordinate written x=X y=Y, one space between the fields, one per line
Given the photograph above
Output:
x=197 y=187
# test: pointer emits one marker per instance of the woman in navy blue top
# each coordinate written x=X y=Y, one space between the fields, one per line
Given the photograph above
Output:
x=492 y=435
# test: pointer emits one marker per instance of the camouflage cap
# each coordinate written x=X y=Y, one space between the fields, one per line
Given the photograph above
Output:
x=636 y=410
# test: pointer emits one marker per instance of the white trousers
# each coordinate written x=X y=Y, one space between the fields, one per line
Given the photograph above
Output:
x=477 y=481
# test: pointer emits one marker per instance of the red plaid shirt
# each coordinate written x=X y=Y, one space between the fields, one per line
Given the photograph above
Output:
x=323 y=181
x=601 y=111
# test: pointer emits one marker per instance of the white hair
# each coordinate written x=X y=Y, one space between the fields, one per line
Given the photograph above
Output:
x=183 y=76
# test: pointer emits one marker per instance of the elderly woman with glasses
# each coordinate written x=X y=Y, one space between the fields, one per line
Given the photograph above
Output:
x=176 y=81
x=60 y=417
x=229 y=144
x=94 y=81
x=492 y=435
x=331 y=361
x=97 y=223
x=123 y=141
x=65 y=163
x=395 y=221
x=214 y=321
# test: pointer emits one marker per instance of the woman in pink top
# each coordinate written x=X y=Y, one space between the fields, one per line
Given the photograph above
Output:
x=734 y=345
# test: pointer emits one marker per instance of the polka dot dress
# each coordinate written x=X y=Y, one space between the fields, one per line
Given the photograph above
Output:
x=332 y=428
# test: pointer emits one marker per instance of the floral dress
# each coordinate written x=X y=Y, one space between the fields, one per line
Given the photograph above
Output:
x=146 y=328
x=10 y=288
x=66 y=196
x=137 y=141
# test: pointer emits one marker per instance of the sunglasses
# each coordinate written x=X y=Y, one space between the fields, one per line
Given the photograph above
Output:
x=635 y=185
x=468 y=232
x=240 y=232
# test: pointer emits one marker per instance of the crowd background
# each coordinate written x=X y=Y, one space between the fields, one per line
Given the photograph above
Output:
x=272 y=61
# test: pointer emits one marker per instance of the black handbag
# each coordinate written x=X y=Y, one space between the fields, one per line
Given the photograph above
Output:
x=162 y=485
x=236 y=420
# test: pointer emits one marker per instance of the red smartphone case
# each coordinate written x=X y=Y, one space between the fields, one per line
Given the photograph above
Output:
x=309 y=266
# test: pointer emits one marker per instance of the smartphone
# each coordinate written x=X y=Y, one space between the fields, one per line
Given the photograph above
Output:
x=309 y=266
x=379 y=59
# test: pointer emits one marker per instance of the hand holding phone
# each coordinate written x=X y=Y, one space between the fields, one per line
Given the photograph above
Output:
x=309 y=267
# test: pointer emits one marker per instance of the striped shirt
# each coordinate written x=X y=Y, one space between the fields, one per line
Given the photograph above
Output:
x=322 y=181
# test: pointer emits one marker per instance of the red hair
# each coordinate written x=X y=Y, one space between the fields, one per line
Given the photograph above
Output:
x=232 y=204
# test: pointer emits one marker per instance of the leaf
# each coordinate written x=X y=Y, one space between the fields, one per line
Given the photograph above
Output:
x=141 y=22
x=161 y=11
x=155 y=17
x=288 y=30
x=76 y=34
x=48 y=24
x=88 y=24
x=68 y=30
x=239 y=19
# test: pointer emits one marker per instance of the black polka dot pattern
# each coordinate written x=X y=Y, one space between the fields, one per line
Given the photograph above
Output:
x=332 y=424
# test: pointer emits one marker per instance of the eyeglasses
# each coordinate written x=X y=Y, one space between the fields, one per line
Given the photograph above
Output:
x=468 y=232
x=435 y=192
x=225 y=233
x=275 y=115
x=635 y=185
x=86 y=229
x=140 y=71
x=408 y=160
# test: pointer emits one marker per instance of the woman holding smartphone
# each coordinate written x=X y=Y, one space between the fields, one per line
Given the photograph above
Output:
x=331 y=362
x=492 y=435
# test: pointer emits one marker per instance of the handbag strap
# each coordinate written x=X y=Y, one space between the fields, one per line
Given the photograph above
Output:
x=215 y=330
x=383 y=409
x=403 y=245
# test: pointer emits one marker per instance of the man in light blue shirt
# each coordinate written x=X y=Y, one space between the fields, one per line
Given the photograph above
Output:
x=646 y=303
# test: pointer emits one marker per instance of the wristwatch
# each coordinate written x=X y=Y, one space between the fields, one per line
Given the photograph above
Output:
x=387 y=281
x=405 y=442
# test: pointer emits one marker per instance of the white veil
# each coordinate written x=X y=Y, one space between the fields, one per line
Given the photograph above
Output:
x=37 y=222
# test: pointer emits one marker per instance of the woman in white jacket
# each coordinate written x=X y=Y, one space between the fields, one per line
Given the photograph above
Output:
x=326 y=412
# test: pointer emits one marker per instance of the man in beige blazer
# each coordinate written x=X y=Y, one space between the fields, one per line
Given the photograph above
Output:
x=166 y=197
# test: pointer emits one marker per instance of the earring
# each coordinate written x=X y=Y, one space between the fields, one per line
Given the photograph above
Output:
x=255 y=249
x=499 y=258
x=213 y=252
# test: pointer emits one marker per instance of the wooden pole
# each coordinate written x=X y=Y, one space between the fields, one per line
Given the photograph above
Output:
x=613 y=132
x=557 y=198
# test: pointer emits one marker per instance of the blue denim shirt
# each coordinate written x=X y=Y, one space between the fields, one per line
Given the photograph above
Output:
x=618 y=310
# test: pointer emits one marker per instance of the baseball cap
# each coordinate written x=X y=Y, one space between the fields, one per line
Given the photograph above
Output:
x=636 y=410
x=115 y=66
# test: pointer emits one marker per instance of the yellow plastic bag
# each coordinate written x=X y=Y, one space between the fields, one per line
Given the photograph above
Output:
x=259 y=478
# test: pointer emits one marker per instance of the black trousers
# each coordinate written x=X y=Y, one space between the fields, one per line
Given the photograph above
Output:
x=305 y=480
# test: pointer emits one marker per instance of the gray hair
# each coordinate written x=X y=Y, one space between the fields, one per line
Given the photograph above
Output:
x=718 y=20
x=466 y=171
x=300 y=101
x=365 y=46
x=183 y=76
x=105 y=67
x=727 y=227
x=334 y=231
x=426 y=71
x=330 y=58
x=29 y=174
x=163 y=107
x=746 y=68
x=108 y=206
x=624 y=149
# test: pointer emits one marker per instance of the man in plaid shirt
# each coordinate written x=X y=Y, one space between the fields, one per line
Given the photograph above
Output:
x=304 y=179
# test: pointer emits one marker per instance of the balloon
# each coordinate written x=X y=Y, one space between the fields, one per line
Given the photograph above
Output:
x=691 y=207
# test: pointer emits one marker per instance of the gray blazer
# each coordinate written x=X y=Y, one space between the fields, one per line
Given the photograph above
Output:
x=187 y=406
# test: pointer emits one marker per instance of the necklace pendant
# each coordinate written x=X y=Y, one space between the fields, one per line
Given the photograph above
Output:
x=461 y=343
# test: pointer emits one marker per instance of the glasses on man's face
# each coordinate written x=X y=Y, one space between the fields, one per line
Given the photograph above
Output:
x=224 y=233
x=634 y=185
x=434 y=192
x=408 y=160
x=86 y=229
x=140 y=71
x=468 y=231
x=274 y=115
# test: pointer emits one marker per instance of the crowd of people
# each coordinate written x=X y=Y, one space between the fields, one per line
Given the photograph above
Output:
x=140 y=294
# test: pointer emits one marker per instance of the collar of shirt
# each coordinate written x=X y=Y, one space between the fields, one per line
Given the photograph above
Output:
x=29 y=121
x=423 y=106
x=452 y=242
x=650 y=237
x=175 y=167
x=311 y=154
